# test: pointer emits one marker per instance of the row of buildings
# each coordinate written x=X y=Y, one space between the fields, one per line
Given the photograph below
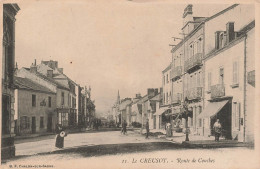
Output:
x=45 y=96
x=212 y=71
x=36 y=98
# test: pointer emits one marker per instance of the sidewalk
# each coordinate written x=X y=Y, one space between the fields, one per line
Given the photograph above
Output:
x=197 y=141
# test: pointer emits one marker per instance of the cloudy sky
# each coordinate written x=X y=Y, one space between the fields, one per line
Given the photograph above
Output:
x=111 y=45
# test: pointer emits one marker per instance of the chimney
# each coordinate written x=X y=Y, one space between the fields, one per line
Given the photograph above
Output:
x=33 y=68
x=187 y=11
x=138 y=95
x=50 y=73
x=217 y=40
x=230 y=31
x=60 y=70
x=150 y=92
x=156 y=91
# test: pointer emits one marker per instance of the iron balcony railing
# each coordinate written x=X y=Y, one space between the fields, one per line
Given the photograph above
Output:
x=176 y=98
x=217 y=91
x=176 y=72
x=194 y=62
x=194 y=93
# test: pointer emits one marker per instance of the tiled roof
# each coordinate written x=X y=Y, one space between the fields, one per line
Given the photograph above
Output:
x=156 y=98
x=59 y=85
x=24 y=83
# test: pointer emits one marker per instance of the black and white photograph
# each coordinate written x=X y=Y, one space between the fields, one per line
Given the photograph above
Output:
x=129 y=84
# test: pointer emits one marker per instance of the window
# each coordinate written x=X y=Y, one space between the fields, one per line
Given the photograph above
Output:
x=222 y=40
x=25 y=122
x=236 y=109
x=33 y=100
x=164 y=80
x=62 y=98
x=167 y=97
x=199 y=45
x=167 y=79
x=49 y=101
x=191 y=50
x=209 y=80
x=200 y=122
x=164 y=98
x=221 y=75
x=198 y=79
x=235 y=72
x=41 y=122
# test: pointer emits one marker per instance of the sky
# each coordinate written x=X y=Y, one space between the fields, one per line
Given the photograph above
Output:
x=108 y=45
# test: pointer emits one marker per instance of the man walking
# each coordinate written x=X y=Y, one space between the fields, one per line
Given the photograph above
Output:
x=217 y=129
x=124 y=127
x=147 y=128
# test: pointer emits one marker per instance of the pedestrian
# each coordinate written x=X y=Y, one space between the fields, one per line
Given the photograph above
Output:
x=124 y=127
x=147 y=129
x=60 y=134
x=217 y=129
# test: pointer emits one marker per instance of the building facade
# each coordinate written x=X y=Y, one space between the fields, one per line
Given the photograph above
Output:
x=8 y=60
x=34 y=107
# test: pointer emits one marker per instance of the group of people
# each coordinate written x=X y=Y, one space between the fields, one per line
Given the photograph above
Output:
x=61 y=133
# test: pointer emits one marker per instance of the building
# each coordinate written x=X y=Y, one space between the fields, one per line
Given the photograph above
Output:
x=34 y=107
x=8 y=60
x=231 y=64
x=124 y=109
x=115 y=110
x=198 y=66
x=136 y=110
x=67 y=109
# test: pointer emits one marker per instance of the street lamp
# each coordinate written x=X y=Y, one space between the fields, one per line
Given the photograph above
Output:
x=186 y=113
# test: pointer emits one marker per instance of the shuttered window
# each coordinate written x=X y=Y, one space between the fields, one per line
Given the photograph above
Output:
x=235 y=72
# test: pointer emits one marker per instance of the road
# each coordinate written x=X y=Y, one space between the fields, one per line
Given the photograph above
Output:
x=113 y=150
x=81 y=139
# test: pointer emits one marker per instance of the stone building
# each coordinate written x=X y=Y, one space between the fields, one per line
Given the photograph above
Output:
x=34 y=106
x=205 y=62
x=8 y=61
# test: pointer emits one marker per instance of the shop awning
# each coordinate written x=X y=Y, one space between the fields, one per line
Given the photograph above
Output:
x=212 y=109
x=161 y=111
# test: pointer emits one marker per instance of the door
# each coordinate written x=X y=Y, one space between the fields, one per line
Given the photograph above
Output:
x=154 y=122
x=49 y=124
x=33 y=125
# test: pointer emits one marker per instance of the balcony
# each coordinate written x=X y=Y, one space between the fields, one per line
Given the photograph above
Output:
x=176 y=72
x=193 y=63
x=194 y=93
x=176 y=98
x=217 y=91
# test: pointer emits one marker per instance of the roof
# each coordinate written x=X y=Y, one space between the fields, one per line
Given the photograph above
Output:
x=24 y=83
x=156 y=98
x=59 y=85
x=240 y=35
x=125 y=103
x=167 y=68
x=195 y=29
x=143 y=99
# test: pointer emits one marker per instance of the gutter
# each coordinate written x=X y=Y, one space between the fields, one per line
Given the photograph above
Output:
x=244 y=132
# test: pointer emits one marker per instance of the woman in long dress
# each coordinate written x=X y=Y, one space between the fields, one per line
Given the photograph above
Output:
x=59 y=139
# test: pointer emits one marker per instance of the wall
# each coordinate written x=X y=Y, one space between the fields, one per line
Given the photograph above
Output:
x=225 y=59
x=250 y=90
x=25 y=108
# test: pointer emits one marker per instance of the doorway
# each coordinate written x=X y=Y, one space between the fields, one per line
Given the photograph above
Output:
x=224 y=116
x=33 y=125
x=49 y=124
